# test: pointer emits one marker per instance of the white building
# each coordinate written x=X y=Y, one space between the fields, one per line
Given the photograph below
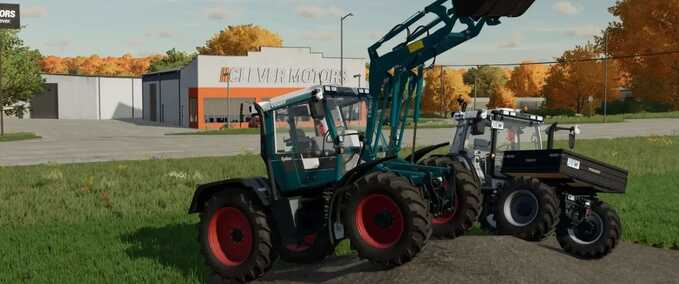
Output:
x=88 y=97
x=206 y=92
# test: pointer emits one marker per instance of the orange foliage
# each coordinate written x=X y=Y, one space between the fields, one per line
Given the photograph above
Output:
x=95 y=65
x=571 y=83
x=500 y=97
x=647 y=26
x=453 y=88
x=528 y=79
x=238 y=40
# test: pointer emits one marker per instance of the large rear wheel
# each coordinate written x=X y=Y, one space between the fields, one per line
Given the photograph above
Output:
x=595 y=236
x=387 y=220
x=236 y=238
x=465 y=206
x=527 y=209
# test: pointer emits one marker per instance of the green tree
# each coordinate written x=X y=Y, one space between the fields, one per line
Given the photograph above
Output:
x=20 y=72
x=173 y=59
x=484 y=77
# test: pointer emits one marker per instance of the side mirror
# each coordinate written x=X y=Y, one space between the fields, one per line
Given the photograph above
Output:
x=479 y=127
x=571 y=137
x=316 y=105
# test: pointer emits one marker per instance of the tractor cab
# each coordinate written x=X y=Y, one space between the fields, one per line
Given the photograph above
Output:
x=313 y=136
x=483 y=137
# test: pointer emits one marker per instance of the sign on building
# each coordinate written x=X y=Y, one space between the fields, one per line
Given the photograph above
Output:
x=10 y=16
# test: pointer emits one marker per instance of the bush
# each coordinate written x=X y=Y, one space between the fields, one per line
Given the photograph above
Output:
x=555 y=112
x=631 y=105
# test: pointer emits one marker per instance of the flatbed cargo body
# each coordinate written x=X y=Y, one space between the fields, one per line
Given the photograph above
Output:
x=565 y=167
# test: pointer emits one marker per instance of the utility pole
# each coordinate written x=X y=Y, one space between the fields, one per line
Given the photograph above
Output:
x=443 y=90
x=476 y=90
x=2 y=98
x=228 y=98
x=606 y=77
x=342 y=47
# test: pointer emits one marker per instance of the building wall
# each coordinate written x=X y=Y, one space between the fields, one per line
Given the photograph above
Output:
x=169 y=103
x=257 y=77
x=188 y=80
x=137 y=99
x=78 y=96
x=118 y=98
x=90 y=97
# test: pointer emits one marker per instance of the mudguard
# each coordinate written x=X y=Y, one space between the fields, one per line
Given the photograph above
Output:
x=258 y=185
x=419 y=154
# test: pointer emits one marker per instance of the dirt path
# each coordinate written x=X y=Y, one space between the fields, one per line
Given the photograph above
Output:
x=495 y=260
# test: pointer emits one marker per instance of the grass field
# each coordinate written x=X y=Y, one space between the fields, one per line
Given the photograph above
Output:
x=122 y=222
x=9 y=137
x=611 y=118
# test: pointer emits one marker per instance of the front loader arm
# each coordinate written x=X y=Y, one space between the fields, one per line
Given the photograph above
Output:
x=391 y=72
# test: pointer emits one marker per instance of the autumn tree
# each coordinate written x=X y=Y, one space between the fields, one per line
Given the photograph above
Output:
x=483 y=77
x=576 y=78
x=647 y=26
x=442 y=89
x=54 y=65
x=125 y=65
x=527 y=80
x=238 y=40
x=500 y=96
x=173 y=59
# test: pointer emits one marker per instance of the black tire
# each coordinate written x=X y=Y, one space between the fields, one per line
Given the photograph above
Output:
x=468 y=200
x=229 y=254
x=515 y=212
x=405 y=221
x=594 y=244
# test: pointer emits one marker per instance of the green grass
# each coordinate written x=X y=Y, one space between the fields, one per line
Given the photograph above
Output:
x=121 y=222
x=617 y=118
x=19 y=136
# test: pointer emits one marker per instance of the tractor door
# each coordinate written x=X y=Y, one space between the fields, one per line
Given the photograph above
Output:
x=515 y=135
x=304 y=157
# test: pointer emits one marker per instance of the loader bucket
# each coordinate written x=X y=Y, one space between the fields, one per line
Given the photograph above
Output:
x=491 y=8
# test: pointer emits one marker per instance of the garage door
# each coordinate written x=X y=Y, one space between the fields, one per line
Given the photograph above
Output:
x=46 y=104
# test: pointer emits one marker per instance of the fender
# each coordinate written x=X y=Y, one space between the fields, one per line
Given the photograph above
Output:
x=419 y=154
x=259 y=185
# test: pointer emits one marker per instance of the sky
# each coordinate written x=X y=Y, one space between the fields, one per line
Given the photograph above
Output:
x=144 y=27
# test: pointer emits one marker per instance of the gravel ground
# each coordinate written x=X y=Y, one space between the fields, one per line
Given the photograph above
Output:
x=490 y=259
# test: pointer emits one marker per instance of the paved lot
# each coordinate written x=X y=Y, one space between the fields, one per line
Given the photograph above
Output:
x=476 y=259
x=70 y=141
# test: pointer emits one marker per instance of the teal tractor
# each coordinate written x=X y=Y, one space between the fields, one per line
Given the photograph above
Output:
x=333 y=162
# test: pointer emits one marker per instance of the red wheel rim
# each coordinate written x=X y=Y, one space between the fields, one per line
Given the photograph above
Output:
x=379 y=221
x=306 y=244
x=448 y=216
x=230 y=236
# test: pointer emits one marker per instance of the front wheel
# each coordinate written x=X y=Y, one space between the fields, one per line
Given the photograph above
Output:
x=387 y=220
x=527 y=209
x=235 y=237
x=464 y=209
x=595 y=236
